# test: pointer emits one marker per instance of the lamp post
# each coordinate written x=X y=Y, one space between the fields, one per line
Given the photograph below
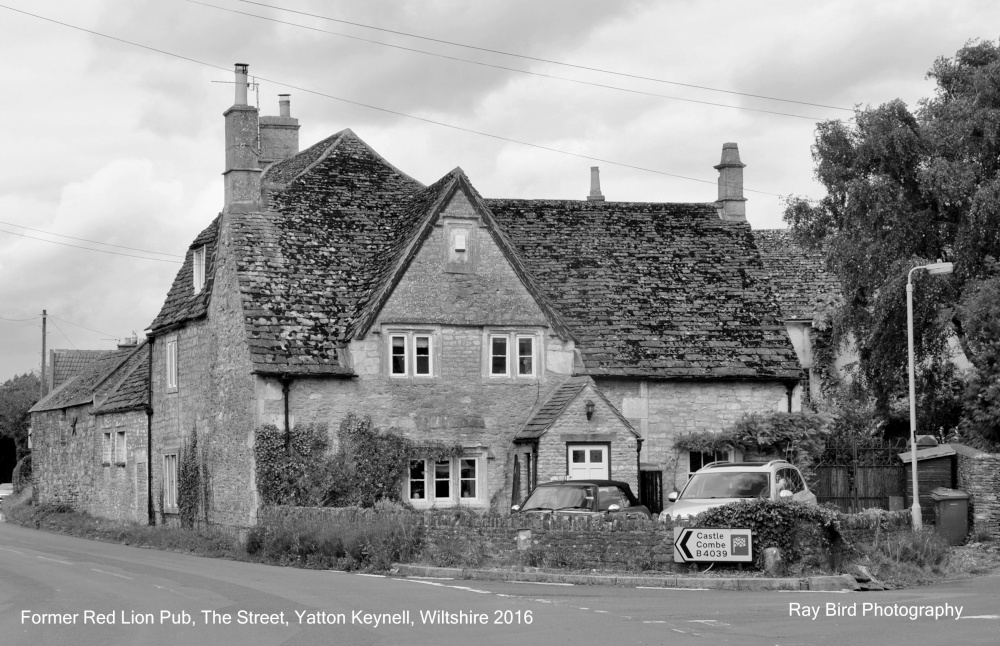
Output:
x=935 y=268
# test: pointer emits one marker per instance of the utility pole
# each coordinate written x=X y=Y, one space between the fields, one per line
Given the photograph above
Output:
x=41 y=387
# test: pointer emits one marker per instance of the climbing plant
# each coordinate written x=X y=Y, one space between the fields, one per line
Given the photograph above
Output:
x=189 y=482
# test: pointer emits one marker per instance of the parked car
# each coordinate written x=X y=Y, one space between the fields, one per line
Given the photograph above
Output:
x=6 y=489
x=720 y=483
x=583 y=497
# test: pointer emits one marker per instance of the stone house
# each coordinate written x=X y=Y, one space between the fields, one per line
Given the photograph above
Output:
x=550 y=338
x=90 y=435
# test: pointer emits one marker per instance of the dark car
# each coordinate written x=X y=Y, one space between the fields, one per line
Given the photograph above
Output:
x=583 y=497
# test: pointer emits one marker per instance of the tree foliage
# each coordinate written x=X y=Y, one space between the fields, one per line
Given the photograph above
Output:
x=17 y=395
x=905 y=189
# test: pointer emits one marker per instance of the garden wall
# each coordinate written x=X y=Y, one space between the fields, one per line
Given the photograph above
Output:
x=979 y=476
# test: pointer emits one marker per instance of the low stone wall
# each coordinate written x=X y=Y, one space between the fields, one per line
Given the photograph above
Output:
x=563 y=541
x=979 y=476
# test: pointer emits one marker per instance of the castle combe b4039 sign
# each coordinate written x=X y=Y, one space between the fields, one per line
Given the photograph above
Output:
x=722 y=545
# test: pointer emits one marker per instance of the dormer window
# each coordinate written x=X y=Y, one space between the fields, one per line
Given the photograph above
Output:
x=199 y=269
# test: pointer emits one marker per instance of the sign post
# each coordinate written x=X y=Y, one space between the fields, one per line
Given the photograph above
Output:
x=715 y=545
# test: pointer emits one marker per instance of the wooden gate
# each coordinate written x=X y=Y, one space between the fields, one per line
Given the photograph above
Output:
x=861 y=473
x=651 y=490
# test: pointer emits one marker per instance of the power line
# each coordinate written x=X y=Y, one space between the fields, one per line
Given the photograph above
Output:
x=34 y=318
x=107 y=244
x=76 y=246
x=502 y=67
x=81 y=326
x=371 y=107
x=543 y=60
x=64 y=335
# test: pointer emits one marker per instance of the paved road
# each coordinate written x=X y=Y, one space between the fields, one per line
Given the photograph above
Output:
x=47 y=578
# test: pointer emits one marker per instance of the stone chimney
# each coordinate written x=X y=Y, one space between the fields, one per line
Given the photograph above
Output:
x=279 y=136
x=242 y=174
x=731 y=203
x=595 y=185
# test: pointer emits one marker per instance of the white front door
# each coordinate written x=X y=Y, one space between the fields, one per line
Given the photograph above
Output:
x=588 y=461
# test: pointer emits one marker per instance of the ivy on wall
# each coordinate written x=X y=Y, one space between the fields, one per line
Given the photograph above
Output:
x=797 y=437
x=189 y=482
x=369 y=465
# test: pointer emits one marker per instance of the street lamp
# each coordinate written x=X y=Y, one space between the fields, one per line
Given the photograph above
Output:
x=935 y=268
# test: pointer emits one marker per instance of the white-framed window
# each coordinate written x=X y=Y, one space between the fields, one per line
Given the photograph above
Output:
x=525 y=356
x=411 y=354
x=499 y=355
x=698 y=459
x=171 y=356
x=445 y=482
x=198 y=269
x=170 y=482
x=512 y=355
x=107 y=448
x=120 y=447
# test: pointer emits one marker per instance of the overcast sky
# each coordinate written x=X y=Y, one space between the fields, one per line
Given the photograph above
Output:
x=109 y=142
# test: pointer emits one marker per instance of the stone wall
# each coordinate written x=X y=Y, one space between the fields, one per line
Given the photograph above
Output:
x=64 y=451
x=121 y=486
x=68 y=464
x=662 y=409
x=979 y=476
x=215 y=398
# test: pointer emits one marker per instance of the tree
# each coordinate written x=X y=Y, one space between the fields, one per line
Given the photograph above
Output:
x=905 y=189
x=17 y=395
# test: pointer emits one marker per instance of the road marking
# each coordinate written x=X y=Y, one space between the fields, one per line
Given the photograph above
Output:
x=377 y=576
x=425 y=582
x=657 y=621
x=678 y=631
x=44 y=558
x=434 y=578
x=816 y=591
x=641 y=587
x=603 y=612
x=462 y=587
x=982 y=617
x=540 y=583
x=120 y=576
x=710 y=622
x=7 y=549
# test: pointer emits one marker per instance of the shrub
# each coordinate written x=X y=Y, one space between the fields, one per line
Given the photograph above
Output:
x=774 y=524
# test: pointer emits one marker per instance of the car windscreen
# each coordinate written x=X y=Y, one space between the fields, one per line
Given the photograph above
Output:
x=731 y=484
x=560 y=497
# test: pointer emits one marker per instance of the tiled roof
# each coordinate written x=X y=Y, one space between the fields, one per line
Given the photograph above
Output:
x=654 y=290
x=132 y=389
x=182 y=303
x=309 y=264
x=66 y=364
x=81 y=388
x=554 y=405
x=552 y=408
x=798 y=275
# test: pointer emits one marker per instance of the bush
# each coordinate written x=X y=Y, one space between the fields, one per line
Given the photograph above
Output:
x=368 y=540
x=774 y=524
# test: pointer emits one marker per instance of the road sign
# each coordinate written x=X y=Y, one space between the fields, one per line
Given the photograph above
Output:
x=721 y=545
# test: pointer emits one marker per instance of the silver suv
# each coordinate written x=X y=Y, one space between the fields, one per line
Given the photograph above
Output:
x=720 y=483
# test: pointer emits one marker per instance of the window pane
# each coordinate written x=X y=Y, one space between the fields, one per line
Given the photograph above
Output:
x=423 y=352
x=468 y=478
x=399 y=355
x=525 y=356
x=442 y=479
x=579 y=457
x=418 y=487
x=596 y=456
x=498 y=352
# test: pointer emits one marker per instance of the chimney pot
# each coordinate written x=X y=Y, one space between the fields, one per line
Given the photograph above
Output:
x=241 y=83
x=731 y=203
x=595 y=185
x=284 y=105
